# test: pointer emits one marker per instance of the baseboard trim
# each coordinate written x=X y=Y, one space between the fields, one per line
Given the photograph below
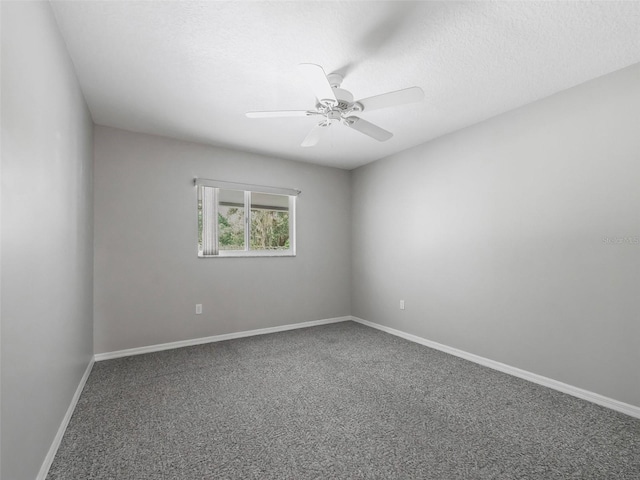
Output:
x=593 y=397
x=48 y=460
x=215 y=338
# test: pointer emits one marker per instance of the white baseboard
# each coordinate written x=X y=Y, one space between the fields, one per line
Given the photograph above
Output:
x=48 y=460
x=216 y=338
x=607 y=402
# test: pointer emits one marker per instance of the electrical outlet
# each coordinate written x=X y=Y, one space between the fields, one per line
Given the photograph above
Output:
x=198 y=308
x=401 y=304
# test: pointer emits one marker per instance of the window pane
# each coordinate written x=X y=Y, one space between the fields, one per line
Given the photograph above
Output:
x=230 y=219
x=269 y=221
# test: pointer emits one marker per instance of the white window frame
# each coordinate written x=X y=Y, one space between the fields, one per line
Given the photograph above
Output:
x=212 y=232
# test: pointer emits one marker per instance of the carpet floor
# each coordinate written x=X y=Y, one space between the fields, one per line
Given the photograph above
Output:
x=335 y=401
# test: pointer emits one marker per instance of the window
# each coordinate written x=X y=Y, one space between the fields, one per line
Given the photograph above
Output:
x=236 y=220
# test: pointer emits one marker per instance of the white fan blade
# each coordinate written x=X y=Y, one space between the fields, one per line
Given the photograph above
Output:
x=391 y=99
x=281 y=113
x=314 y=135
x=369 y=128
x=317 y=80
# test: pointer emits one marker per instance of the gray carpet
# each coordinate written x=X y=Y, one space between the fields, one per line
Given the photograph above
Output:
x=336 y=401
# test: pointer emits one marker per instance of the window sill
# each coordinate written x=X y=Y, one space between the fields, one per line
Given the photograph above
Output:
x=243 y=254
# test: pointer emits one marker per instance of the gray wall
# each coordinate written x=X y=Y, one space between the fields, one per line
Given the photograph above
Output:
x=47 y=239
x=147 y=275
x=494 y=237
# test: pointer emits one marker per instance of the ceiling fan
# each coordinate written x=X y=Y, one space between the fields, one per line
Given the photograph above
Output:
x=336 y=105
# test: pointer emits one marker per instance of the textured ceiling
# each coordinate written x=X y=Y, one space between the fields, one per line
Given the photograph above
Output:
x=191 y=70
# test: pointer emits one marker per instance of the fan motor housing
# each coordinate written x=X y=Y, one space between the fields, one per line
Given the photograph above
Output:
x=345 y=98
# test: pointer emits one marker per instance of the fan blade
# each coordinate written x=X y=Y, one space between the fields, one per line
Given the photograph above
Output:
x=369 y=128
x=281 y=113
x=408 y=95
x=314 y=135
x=317 y=80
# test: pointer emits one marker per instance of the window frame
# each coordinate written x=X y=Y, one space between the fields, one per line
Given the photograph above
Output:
x=291 y=194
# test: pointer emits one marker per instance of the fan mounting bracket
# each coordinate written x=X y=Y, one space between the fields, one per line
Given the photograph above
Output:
x=356 y=107
x=327 y=102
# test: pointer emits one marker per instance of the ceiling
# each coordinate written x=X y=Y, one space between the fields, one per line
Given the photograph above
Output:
x=191 y=70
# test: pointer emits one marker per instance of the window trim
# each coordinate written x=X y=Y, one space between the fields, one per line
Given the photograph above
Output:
x=247 y=189
x=207 y=182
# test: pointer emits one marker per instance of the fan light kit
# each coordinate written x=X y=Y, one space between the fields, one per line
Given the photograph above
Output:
x=336 y=105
